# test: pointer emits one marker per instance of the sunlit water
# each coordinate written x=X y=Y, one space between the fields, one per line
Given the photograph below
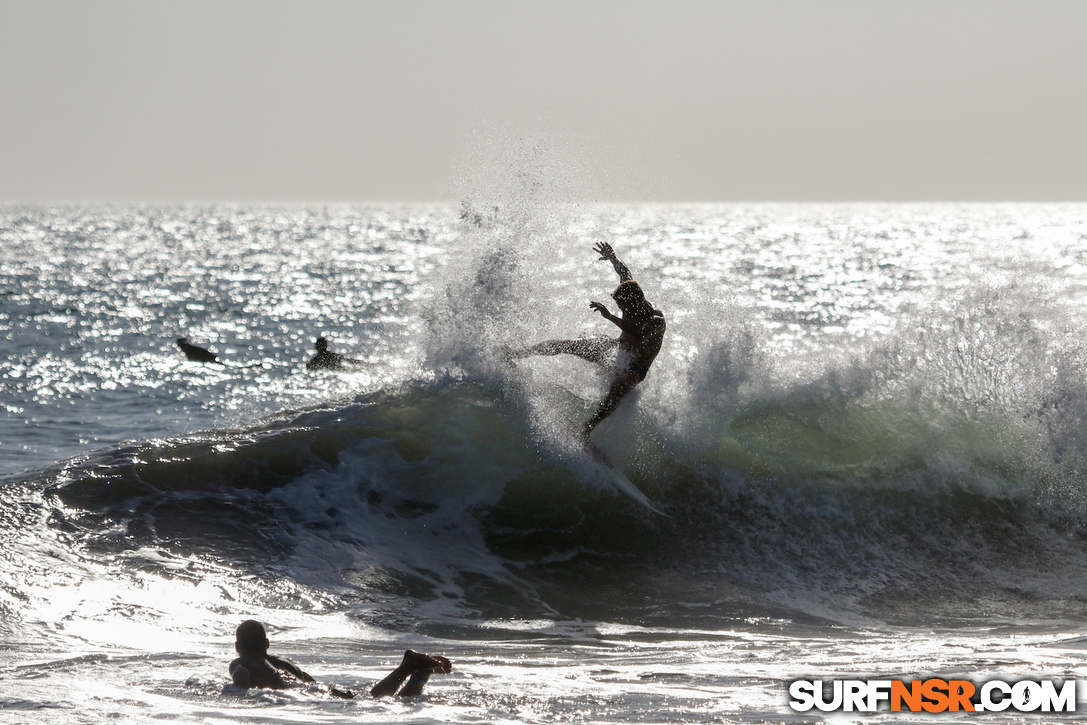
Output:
x=866 y=428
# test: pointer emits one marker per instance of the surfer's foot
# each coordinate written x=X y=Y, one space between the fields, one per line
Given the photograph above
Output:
x=416 y=668
x=417 y=662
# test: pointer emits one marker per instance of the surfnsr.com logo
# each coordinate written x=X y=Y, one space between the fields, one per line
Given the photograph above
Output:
x=933 y=695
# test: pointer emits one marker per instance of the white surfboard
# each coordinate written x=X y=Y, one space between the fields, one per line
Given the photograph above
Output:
x=600 y=468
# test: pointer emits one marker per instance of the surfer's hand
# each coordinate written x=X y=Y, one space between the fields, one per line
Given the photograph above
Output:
x=604 y=250
x=599 y=307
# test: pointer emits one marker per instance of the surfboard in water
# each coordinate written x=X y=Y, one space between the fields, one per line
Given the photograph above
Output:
x=601 y=468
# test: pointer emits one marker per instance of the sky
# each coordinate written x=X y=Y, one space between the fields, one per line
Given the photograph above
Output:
x=677 y=100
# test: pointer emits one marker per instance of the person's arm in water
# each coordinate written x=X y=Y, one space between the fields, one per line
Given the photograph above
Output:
x=290 y=668
x=296 y=671
x=607 y=253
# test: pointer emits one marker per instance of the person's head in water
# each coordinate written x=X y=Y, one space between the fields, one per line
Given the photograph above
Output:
x=321 y=344
x=251 y=638
x=630 y=297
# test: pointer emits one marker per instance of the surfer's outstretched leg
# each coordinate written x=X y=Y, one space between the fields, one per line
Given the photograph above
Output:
x=416 y=665
x=594 y=349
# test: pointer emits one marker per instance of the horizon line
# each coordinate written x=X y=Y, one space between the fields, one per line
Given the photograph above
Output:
x=297 y=202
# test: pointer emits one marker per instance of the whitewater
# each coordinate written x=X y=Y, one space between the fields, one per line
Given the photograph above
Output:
x=867 y=430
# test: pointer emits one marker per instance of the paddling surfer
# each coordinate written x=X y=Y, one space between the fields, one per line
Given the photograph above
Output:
x=629 y=356
x=325 y=359
x=197 y=353
x=254 y=667
x=203 y=355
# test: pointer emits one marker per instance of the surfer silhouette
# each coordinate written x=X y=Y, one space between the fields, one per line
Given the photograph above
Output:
x=629 y=356
x=197 y=353
x=203 y=355
x=325 y=359
x=254 y=667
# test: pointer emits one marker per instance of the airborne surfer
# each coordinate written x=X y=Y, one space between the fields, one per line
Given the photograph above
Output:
x=634 y=350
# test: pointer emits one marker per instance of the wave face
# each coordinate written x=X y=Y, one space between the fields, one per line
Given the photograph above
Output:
x=861 y=413
x=445 y=496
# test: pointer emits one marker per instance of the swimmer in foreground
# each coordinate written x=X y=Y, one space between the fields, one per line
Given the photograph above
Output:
x=254 y=667
x=196 y=353
x=642 y=334
x=325 y=359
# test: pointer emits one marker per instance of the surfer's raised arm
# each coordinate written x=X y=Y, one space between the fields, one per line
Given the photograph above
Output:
x=607 y=253
x=625 y=326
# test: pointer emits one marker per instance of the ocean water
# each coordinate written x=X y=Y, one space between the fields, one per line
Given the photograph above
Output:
x=867 y=431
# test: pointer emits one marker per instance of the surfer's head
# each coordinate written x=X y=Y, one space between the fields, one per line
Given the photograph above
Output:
x=182 y=341
x=629 y=295
x=251 y=638
x=321 y=344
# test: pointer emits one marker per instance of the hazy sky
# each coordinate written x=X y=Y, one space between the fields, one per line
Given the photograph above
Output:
x=697 y=100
